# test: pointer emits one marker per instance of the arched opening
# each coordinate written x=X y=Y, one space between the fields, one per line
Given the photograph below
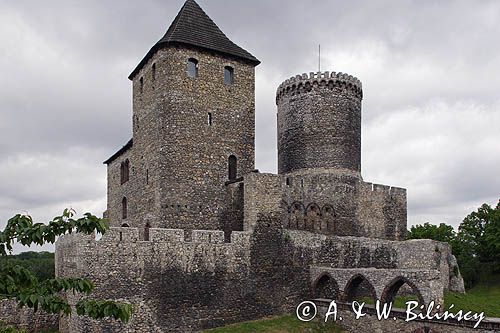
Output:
x=125 y=225
x=313 y=217
x=153 y=72
x=124 y=208
x=232 y=167
x=327 y=219
x=297 y=216
x=360 y=289
x=146 y=232
x=192 y=67
x=228 y=75
x=401 y=290
x=326 y=287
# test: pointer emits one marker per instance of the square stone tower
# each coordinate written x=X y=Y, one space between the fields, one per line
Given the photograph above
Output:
x=193 y=129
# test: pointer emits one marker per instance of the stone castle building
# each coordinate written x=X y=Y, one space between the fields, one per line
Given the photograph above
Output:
x=200 y=238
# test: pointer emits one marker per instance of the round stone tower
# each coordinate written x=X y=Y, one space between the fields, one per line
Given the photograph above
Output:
x=319 y=123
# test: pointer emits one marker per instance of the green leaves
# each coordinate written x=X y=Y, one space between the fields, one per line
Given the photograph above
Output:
x=103 y=309
x=476 y=245
x=19 y=283
x=442 y=233
x=21 y=228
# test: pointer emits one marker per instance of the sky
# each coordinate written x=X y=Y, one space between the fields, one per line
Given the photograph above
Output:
x=430 y=73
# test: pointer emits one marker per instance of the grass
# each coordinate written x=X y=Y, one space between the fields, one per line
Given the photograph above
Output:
x=282 y=324
x=483 y=297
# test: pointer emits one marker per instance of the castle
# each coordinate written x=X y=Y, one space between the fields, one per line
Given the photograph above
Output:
x=200 y=238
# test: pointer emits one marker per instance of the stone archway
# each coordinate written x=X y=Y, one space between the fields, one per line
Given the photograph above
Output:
x=313 y=217
x=326 y=287
x=391 y=290
x=297 y=213
x=358 y=288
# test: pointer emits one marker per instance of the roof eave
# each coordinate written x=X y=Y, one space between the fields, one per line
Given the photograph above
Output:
x=123 y=149
x=156 y=47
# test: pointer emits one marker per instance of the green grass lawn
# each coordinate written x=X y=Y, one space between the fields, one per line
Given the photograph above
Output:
x=283 y=324
x=483 y=297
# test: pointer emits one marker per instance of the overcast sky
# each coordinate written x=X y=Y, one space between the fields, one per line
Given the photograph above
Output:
x=430 y=73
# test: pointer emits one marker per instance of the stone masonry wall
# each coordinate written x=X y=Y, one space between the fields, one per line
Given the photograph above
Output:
x=27 y=319
x=319 y=122
x=174 y=284
x=179 y=160
x=330 y=202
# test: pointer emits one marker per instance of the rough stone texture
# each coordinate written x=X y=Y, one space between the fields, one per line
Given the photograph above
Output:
x=319 y=122
x=224 y=250
x=370 y=323
x=27 y=319
x=179 y=163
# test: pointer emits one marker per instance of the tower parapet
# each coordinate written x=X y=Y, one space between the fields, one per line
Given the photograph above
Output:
x=319 y=123
x=297 y=82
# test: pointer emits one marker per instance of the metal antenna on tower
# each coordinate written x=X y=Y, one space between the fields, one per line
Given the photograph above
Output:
x=319 y=58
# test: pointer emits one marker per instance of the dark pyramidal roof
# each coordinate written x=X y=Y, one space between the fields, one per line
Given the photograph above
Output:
x=192 y=26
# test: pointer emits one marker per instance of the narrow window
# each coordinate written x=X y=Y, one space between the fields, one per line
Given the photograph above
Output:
x=124 y=171
x=124 y=208
x=210 y=119
x=153 y=72
x=146 y=232
x=228 y=75
x=147 y=176
x=141 y=85
x=192 y=67
x=232 y=166
x=287 y=181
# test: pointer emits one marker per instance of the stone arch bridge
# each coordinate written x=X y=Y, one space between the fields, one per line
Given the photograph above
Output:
x=342 y=284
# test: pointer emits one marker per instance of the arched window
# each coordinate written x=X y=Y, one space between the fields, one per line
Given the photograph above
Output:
x=153 y=72
x=141 y=85
x=124 y=208
x=232 y=166
x=146 y=232
x=124 y=171
x=192 y=67
x=228 y=75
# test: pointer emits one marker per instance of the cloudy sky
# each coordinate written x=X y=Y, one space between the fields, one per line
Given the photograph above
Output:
x=430 y=73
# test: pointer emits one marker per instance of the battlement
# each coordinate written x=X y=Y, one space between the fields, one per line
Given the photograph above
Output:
x=383 y=189
x=158 y=235
x=300 y=82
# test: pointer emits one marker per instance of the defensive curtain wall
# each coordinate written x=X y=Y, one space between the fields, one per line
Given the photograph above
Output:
x=206 y=280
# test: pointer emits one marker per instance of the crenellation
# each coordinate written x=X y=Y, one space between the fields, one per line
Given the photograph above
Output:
x=208 y=236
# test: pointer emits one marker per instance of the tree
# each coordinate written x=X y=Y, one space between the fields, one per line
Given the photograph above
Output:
x=476 y=245
x=442 y=233
x=20 y=284
x=479 y=236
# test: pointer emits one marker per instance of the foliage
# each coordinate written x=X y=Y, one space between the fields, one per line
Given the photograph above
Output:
x=20 y=284
x=442 y=233
x=283 y=324
x=41 y=264
x=476 y=245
